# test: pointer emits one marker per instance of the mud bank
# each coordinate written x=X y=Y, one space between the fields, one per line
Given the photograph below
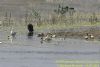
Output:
x=78 y=33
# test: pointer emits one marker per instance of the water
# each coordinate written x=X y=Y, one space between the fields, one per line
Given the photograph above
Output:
x=25 y=52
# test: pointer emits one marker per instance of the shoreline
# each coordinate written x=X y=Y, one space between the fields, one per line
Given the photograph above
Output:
x=77 y=33
x=74 y=32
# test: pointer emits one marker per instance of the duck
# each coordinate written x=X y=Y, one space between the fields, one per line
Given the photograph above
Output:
x=47 y=38
x=53 y=36
x=86 y=36
x=40 y=35
x=91 y=36
x=0 y=42
x=13 y=34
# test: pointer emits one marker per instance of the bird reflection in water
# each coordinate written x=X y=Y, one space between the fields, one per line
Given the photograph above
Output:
x=30 y=35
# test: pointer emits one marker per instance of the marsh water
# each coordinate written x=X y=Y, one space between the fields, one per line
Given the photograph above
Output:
x=24 y=51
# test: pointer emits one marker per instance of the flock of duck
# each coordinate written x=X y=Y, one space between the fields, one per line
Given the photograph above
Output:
x=89 y=36
x=50 y=36
x=44 y=36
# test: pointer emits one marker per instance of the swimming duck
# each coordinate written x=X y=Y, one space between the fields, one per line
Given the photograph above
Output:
x=0 y=42
x=12 y=33
x=47 y=38
x=53 y=36
x=40 y=35
x=87 y=36
x=91 y=36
